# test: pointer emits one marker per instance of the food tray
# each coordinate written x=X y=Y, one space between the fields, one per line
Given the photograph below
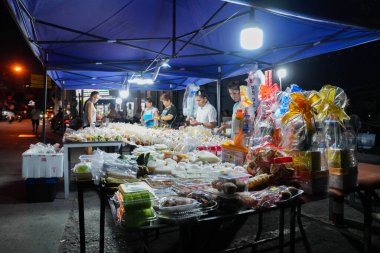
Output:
x=184 y=190
x=113 y=206
x=234 y=177
x=180 y=217
x=213 y=206
x=192 y=204
x=292 y=198
x=192 y=181
x=162 y=181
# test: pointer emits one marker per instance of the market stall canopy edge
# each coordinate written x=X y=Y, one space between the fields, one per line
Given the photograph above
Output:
x=102 y=44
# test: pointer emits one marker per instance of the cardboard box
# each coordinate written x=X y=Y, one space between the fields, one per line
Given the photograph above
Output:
x=42 y=166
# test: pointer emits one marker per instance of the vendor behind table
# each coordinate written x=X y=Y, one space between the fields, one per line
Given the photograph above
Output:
x=150 y=114
x=206 y=112
x=169 y=114
x=234 y=91
x=90 y=112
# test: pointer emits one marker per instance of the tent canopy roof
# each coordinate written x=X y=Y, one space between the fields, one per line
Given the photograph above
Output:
x=101 y=44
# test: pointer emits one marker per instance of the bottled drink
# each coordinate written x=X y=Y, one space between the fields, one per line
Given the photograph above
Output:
x=319 y=145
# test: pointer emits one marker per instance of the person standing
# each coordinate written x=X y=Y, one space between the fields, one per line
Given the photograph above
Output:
x=112 y=113
x=234 y=91
x=36 y=114
x=169 y=114
x=206 y=112
x=149 y=114
x=89 y=116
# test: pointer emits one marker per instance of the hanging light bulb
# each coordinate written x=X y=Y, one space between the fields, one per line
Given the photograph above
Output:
x=281 y=73
x=119 y=101
x=251 y=36
x=124 y=94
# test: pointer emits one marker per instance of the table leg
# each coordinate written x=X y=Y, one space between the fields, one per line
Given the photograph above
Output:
x=292 y=228
x=366 y=202
x=102 y=218
x=66 y=171
x=302 y=230
x=82 y=238
x=184 y=239
x=259 y=231
x=281 y=231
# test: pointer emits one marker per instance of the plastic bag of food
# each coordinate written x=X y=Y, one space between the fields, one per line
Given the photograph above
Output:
x=41 y=148
x=206 y=156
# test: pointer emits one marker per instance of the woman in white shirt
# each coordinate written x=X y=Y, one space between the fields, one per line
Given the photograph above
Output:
x=89 y=116
x=206 y=112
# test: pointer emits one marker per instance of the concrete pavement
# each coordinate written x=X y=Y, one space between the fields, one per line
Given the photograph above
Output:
x=26 y=227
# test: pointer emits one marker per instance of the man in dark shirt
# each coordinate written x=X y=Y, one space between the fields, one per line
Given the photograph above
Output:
x=169 y=114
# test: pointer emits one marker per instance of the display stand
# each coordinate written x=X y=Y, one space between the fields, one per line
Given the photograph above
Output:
x=185 y=229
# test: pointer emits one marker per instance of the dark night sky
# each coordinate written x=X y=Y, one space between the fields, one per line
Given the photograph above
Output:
x=355 y=69
x=13 y=48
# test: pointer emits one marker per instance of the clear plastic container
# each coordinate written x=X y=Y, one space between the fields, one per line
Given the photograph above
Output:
x=134 y=196
x=161 y=181
x=86 y=158
x=234 y=177
x=175 y=204
x=184 y=190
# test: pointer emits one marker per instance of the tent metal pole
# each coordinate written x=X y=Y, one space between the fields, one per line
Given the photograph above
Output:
x=63 y=107
x=45 y=101
x=174 y=27
x=96 y=37
x=202 y=28
x=234 y=16
x=327 y=38
x=218 y=96
x=82 y=105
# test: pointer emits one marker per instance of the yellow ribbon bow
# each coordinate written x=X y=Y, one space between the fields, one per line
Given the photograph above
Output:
x=331 y=103
x=301 y=106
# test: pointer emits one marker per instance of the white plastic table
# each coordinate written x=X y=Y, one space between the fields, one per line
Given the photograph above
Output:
x=66 y=161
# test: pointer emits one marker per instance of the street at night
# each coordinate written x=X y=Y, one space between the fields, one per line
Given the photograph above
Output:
x=189 y=126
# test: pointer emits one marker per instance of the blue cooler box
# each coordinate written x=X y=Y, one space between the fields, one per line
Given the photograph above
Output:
x=41 y=189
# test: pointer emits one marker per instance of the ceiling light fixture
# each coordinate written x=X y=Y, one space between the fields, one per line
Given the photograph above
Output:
x=251 y=36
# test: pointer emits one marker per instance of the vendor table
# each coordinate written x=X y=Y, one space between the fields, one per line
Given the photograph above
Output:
x=294 y=205
x=66 y=158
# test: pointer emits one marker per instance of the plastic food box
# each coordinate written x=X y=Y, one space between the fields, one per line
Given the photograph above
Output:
x=191 y=204
x=86 y=158
x=134 y=196
x=160 y=181
x=137 y=218
x=184 y=190
x=234 y=177
x=42 y=166
x=180 y=217
x=234 y=154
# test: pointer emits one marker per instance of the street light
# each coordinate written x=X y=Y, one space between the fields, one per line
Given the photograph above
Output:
x=17 y=68
x=281 y=73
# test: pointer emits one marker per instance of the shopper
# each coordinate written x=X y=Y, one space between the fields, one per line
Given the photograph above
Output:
x=112 y=114
x=206 y=112
x=169 y=114
x=149 y=114
x=36 y=114
x=89 y=116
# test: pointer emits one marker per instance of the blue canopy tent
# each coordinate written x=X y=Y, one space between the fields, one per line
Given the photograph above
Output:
x=101 y=44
